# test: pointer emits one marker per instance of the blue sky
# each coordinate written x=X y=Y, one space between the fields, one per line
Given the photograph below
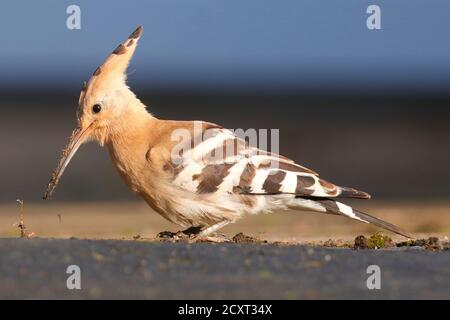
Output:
x=232 y=44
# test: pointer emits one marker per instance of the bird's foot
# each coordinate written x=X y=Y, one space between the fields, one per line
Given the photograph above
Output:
x=179 y=236
x=191 y=235
x=215 y=237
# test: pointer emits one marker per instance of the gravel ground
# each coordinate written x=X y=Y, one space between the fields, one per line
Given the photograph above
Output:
x=36 y=268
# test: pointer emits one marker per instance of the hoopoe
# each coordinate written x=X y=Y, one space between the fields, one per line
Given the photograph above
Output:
x=187 y=187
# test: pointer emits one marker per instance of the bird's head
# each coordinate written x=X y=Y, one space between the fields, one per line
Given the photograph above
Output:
x=104 y=102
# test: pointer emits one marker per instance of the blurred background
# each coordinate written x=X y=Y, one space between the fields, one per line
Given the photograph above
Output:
x=365 y=108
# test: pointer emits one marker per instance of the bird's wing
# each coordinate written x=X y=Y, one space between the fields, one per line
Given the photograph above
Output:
x=221 y=161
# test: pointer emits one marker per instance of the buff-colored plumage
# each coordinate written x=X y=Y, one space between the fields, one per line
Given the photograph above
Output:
x=213 y=179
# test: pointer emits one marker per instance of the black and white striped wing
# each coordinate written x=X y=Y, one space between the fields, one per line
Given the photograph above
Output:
x=225 y=163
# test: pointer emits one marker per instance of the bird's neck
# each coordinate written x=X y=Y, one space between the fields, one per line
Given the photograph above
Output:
x=132 y=124
x=130 y=138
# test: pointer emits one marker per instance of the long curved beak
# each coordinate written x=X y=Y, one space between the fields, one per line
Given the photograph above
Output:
x=78 y=137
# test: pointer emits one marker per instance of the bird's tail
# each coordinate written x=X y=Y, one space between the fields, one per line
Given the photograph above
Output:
x=335 y=207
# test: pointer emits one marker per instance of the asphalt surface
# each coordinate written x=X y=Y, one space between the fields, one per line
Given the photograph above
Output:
x=112 y=269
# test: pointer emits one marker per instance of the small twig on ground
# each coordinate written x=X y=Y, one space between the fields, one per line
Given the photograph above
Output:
x=59 y=217
x=21 y=224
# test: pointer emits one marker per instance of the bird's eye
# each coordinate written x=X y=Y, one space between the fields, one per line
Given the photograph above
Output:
x=96 y=108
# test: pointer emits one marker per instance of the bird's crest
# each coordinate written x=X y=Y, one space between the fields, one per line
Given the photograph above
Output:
x=114 y=67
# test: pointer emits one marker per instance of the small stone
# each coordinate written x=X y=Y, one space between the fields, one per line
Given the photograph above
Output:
x=433 y=244
x=361 y=243
x=242 y=238
x=420 y=242
x=330 y=244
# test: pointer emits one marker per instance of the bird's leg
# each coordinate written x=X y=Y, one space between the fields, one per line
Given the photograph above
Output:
x=213 y=228
x=205 y=234
x=194 y=234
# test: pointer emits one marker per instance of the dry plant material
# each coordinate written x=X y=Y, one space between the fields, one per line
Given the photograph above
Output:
x=21 y=224
x=65 y=153
x=432 y=244
x=376 y=241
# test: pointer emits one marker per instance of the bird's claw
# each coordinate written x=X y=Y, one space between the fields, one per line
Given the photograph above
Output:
x=190 y=236
x=216 y=238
